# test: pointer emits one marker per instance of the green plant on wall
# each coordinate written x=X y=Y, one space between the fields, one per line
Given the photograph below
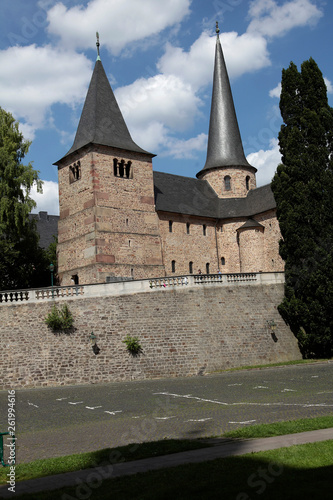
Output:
x=60 y=320
x=133 y=345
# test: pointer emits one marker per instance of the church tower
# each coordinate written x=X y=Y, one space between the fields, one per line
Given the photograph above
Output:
x=226 y=168
x=108 y=228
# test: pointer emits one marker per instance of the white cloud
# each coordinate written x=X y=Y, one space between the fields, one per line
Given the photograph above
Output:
x=329 y=86
x=76 y=26
x=243 y=53
x=162 y=98
x=276 y=92
x=266 y=161
x=185 y=149
x=48 y=201
x=270 y=19
x=38 y=77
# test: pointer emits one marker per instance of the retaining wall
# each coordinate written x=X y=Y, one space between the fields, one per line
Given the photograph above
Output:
x=186 y=326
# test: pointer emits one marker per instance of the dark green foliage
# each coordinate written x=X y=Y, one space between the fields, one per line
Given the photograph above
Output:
x=60 y=320
x=22 y=262
x=133 y=345
x=303 y=190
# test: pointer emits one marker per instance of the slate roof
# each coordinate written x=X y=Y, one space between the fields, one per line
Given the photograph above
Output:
x=47 y=227
x=225 y=146
x=250 y=223
x=186 y=195
x=101 y=120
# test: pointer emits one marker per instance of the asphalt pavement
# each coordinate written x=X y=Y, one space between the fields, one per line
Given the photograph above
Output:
x=59 y=421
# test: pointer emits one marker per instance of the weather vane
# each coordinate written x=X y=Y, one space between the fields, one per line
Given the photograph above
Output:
x=217 y=29
x=97 y=43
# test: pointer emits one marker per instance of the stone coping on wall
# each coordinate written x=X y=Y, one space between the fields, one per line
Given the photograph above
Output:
x=12 y=297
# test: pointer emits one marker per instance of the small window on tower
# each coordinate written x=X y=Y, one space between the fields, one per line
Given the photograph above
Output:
x=204 y=229
x=187 y=227
x=74 y=172
x=122 y=169
x=223 y=261
x=207 y=268
x=227 y=183
x=190 y=266
x=173 y=266
x=247 y=180
x=170 y=226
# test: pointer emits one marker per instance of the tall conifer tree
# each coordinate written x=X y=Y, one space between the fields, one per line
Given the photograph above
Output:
x=303 y=190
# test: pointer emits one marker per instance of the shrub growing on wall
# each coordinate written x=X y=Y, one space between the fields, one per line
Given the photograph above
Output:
x=60 y=320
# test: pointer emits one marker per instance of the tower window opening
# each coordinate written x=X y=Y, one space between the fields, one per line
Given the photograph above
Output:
x=207 y=268
x=122 y=169
x=247 y=181
x=173 y=266
x=75 y=172
x=187 y=228
x=170 y=226
x=204 y=229
x=227 y=183
x=223 y=261
x=190 y=267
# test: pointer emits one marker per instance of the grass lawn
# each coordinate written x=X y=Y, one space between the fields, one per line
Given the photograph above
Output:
x=295 y=473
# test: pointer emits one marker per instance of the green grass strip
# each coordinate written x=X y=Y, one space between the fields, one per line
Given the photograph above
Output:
x=294 y=473
x=282 y=428
x=69 y=463
x=273 y=365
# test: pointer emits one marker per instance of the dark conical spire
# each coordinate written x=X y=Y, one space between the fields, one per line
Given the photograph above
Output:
x=101 y=120
x=224 y=141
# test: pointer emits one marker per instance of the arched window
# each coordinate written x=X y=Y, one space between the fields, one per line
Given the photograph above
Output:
x=173 y=266
x=204 y=229
x=170 y=226
x=187 y=227
x=223 y=261
x=247 y=180
x=207 y=268
x=190 y=267
x=227 y=183
x=115 y=167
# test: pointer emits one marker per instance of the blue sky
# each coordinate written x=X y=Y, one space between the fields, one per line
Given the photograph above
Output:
x=158 y=55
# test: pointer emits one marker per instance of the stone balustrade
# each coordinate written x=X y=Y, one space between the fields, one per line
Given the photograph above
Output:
x=136 y=286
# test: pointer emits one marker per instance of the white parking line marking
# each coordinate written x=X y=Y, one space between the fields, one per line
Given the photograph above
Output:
x=260 y=387
x=164 y=418
x=113 y=412
x=198 y=420
x=289 y=390
x=245 y=422
x=304 y=405
x=230 y=385
x=77 y=403
x=60 y=399
x=93 y=407
x=31 y=404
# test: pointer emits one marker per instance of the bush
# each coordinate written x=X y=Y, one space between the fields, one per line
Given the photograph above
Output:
x=133 y=345
x=60 y=320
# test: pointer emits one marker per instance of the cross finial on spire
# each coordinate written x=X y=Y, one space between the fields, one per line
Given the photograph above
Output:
x=97 y=45
x=217 y=29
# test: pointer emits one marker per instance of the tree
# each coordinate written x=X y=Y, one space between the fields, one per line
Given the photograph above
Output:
x=303 y=190
x=21 y=259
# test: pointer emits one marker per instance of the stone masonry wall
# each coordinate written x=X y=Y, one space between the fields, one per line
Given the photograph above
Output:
x=237 y=176
x=183 y=332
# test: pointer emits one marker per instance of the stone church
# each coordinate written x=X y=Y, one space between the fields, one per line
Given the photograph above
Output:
x=120 y=220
